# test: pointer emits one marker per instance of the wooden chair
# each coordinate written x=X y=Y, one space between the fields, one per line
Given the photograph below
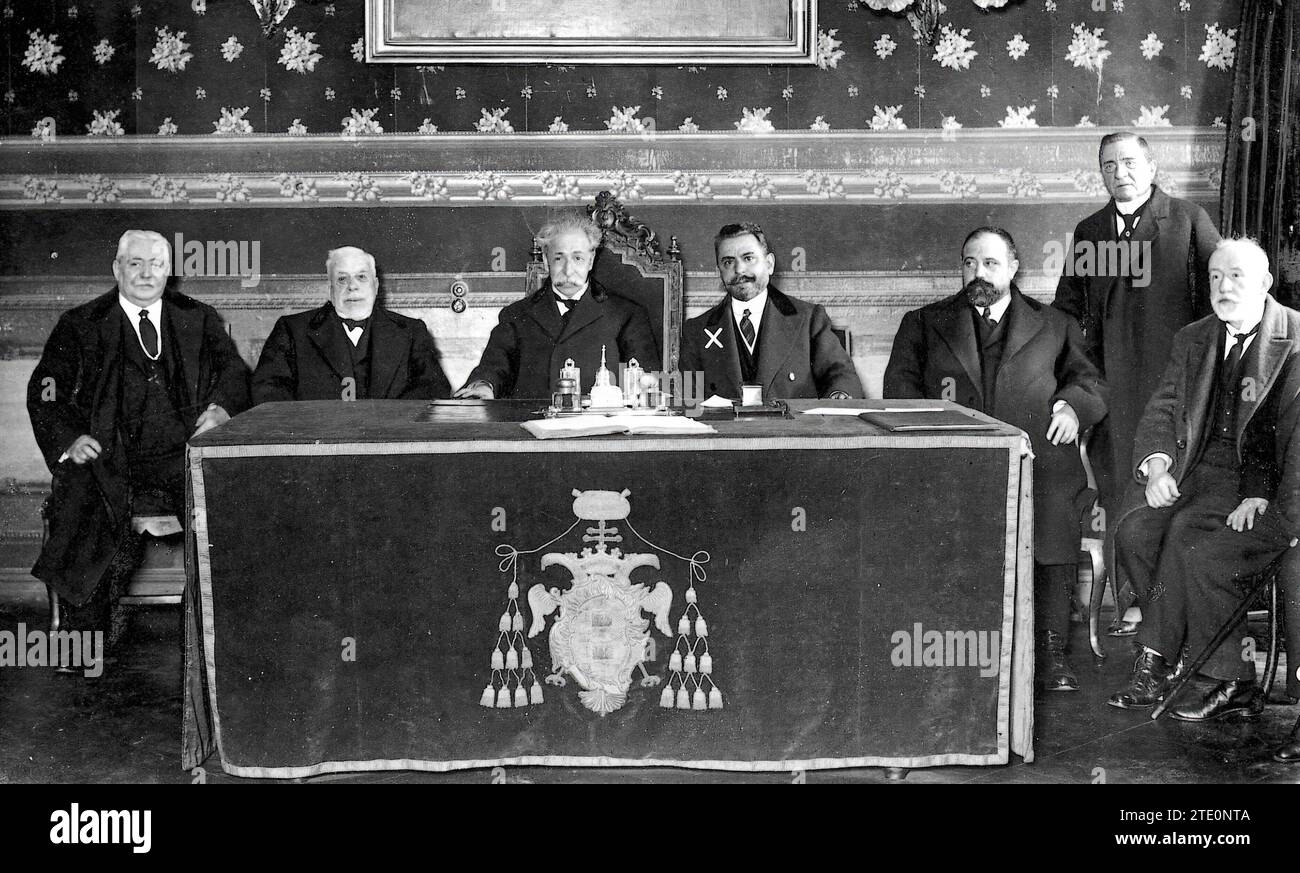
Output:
x=160 y=578
x=1095 y=547
x=631 y=265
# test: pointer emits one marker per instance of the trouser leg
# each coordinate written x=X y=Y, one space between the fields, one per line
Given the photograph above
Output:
x=1053 y=586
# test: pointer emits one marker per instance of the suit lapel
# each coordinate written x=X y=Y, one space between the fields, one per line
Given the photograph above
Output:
x=957 y=330
x=186 y=327
x=1274 y=346
x=726 y=357
x=1025 y=325
x=586 y=311
x=1201 y=394
x=386 y=351
x=542 y=309
x=777 y=335
x=326 y=334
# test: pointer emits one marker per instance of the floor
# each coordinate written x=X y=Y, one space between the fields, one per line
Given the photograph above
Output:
x=124 y=727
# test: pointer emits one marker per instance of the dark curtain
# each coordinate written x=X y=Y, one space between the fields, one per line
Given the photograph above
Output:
x=1260 y=184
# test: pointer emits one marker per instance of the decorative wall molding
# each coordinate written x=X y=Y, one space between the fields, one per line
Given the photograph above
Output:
x=878 y=167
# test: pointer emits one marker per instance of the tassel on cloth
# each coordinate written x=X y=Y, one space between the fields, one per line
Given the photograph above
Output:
x=513 y=591
x=489 y=696
x=512 y=659
x=498 y=662
x=715 y=698
x=521 y=696
x=675 y=661
x=690 y=594
x=706 y=663
x=526 y=660
x=698 y=701
x=689 y=663
x=504 y=624
x=666 y=697
x=536 y=692
x=683 y=698
x=503 y=698
x=701 y=629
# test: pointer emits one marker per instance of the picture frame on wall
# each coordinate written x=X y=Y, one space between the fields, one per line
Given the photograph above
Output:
x=695 y=32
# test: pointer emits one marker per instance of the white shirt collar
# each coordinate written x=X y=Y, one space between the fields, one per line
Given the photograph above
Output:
x=1131 y=206
x=572 y=300
x=1230 y=341
x=755 y=307
x=132 y=312
x=997 y=310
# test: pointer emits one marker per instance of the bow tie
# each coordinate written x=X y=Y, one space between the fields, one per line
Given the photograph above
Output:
x=355 y=322
x=567 y=302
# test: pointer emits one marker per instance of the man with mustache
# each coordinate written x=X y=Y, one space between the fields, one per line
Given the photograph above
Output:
x=993 y=349
x=758 y=336
x=1216 y=450
x=351 y=348
x=569 y=316
x=124 y=381
x=1129 y=318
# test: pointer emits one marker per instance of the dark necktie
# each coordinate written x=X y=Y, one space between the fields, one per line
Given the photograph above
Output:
x=1233 y=362
x=1130 y=221
x=987 y=315
x=566 y=304
x=747 y=329
x=355 y=322
x=148 y=335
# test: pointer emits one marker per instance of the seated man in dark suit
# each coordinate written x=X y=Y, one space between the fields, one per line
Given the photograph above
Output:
x=123 y=382
x=758 y=336
x=991 y=348
x=1215 y=449
x=351 y=348
x=569 y=316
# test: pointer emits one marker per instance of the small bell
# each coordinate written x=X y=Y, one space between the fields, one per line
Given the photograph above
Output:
x=504 y=624
x=715 y=698
x=683 y=699
x=683 y=626
x=519 y=621
x=698 y=700
x=512 y=659
x=690 y=594
x=498 y=662
x=706 y=663
x=503 y=698
x=536 y=692
x=526 y=660
x=675 y=661
x=689 y=663
x=489 y=696
x=701 y=629
x=513 y=591
x=666 y=698
x=521 y=696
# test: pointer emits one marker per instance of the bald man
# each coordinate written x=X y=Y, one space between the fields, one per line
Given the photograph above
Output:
x=124 y=381
x=1217 y=454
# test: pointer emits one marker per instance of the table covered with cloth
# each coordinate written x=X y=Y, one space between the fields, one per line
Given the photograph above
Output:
x=387 y=585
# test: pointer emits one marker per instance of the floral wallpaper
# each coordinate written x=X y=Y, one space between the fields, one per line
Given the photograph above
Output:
x=167 y=67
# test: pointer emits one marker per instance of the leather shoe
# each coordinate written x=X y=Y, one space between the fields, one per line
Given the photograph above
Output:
x=1122 y=628
x=1148 y=684
x=1056 y=673
x=1289 y=752
x=1235 y=698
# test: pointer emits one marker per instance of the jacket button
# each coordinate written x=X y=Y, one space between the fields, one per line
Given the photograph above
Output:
x=1182 y=444
x=792 y=377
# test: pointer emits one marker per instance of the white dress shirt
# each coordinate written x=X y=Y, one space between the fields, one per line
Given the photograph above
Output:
x=755 y=307
x=133 y=315
x=573 y=301
x=996 y=310
x=1128 y=209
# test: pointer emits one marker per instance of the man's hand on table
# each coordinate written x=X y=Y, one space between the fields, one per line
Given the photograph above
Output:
x=475 y=391
x=211 y=417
